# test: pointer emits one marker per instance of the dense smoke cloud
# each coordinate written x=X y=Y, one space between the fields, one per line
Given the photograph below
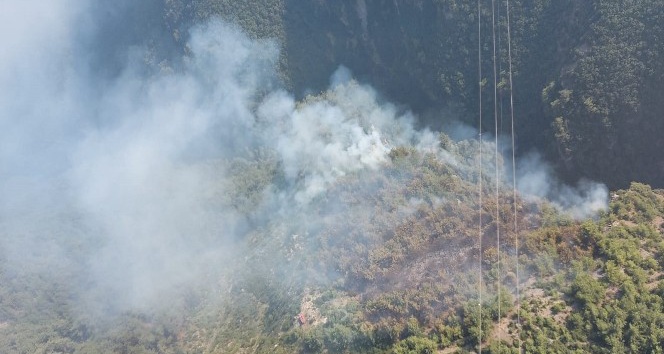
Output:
x=115 y=183
x=117 y=177
x=344 y=131
x=103 y=175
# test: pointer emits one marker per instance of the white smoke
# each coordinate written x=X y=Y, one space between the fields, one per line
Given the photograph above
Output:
x=112 y=177
x=113 y=183
x=535 y=179
x=328 y=137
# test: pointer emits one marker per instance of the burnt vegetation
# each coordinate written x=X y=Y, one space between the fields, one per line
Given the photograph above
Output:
x=388 y=263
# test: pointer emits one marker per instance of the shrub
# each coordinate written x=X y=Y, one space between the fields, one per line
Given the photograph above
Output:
x=415 y=345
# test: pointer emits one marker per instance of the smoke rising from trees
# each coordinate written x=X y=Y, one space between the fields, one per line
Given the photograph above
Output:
x=117 y=183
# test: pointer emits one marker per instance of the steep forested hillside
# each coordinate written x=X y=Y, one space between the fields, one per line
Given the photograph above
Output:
x=223 y=176
x=587 y=74
x=607 y=100
x=391 y=267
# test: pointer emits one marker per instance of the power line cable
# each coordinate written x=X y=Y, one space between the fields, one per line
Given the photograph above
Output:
x=497 y=174
x=514 y=201
x=479 y=70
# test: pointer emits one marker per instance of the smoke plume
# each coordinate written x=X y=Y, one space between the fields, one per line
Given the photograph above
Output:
x=116 y=170
x=536 y=179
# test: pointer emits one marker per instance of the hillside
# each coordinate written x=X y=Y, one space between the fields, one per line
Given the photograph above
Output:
x=587 y=74
x=387 y=262
x=279 y=176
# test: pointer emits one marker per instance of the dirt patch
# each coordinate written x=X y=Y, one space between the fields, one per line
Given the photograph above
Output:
x=561 y=317
x=501 y=332
x=658 y=223
x=653 y=280
x=534 y=293
x=450 y=350
x=545 y=304
x=624 y=223
x=545 y=311
x=309 y=314
x=645 y=254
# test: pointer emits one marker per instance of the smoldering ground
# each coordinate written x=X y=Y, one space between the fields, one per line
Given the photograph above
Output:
x=117 y=173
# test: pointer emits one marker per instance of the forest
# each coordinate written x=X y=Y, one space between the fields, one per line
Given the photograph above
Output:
x=587 y=74
x=280 y=176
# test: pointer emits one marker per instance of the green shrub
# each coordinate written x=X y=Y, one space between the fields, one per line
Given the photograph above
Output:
x=416 y=345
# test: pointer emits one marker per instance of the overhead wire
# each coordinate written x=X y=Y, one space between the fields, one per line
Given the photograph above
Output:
x=497 y=173
x=514 y=201
x=497 y=118
x=479 y=69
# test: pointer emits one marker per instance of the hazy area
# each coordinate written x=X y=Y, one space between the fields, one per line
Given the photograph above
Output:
x=142 y=174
